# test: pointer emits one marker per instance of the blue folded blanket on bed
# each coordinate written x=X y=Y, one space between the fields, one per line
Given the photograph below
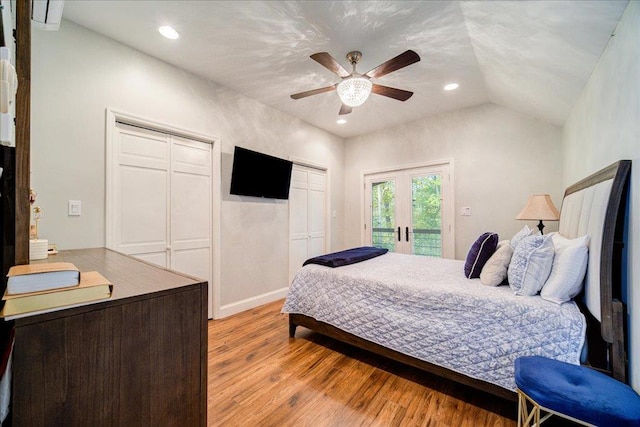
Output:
x=349 y=256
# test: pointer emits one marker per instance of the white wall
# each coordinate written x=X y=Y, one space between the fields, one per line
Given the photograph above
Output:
x=604 y=127
x=77 y=73
x=500 y=158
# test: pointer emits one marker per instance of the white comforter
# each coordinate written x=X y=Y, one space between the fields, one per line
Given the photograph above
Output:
x=426 y=308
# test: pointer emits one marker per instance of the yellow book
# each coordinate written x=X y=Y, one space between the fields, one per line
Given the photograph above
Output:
x=93 y=287
x=29 y=278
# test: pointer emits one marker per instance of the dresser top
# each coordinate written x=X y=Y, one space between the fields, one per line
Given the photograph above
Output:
x=132 y=279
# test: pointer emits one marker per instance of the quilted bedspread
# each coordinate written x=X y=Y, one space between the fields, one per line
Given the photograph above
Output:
x=426 y=308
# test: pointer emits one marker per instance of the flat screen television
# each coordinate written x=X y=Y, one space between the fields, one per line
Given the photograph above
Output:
x=260 y=175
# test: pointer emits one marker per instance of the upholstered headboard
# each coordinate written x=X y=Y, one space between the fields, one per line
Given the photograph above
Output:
x=596 y=206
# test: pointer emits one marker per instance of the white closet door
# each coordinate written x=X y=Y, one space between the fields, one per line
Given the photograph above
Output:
x=190 y=249
x=317 y=212
x=140 y=192
x=298 y=219
x=307 y=216
x=160 y=200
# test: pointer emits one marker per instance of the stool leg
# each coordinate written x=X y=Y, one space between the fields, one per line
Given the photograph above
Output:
x=521 y=409
x=525 y=417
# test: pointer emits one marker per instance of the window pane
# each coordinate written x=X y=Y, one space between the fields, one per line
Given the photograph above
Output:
x=426 y=215
x=383 y=215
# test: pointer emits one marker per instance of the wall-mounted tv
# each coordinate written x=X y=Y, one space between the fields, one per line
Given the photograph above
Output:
x=260 y=175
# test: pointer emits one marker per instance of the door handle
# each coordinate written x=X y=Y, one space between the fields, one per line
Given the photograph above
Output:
x=406 y=233
x=399 y=238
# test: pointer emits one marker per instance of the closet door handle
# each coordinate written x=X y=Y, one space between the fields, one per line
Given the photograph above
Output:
x=399 y=238
x=406 y=233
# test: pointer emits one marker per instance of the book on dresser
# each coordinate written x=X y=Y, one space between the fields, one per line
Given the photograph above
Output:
x=93 y=287
x=28 y=278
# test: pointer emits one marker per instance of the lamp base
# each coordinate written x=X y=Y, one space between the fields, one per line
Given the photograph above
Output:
x=540 y=227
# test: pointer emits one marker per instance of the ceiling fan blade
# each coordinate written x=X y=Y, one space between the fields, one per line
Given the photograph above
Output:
x=345 y=109
x=406 y=58
x=391 y=92
x=327 y=61
x=313 y=92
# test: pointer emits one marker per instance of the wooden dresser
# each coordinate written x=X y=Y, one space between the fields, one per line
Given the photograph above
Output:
x=137 y=359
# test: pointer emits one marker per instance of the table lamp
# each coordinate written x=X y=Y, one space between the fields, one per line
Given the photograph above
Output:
x=539 y=207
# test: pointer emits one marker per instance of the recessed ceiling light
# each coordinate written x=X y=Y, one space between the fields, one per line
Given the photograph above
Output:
x=169 y=32
x=451 y=86
x=341 y=121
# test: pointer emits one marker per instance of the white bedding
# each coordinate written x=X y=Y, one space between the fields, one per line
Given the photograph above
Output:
x=426 y=308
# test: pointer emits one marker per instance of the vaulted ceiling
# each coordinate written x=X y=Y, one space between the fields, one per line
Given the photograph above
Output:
x=530 y=56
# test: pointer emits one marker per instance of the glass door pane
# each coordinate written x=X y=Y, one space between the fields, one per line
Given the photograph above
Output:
x=426 y=215
x=383 y=214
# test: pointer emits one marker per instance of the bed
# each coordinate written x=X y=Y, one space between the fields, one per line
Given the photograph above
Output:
x=425 y=313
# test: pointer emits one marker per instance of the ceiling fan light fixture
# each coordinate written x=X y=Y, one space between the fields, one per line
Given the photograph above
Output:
x=451 y=86
x=354 y=91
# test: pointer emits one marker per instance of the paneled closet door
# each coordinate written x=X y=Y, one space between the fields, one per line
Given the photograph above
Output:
x=190 y=249
x=139 y=199
x=307 y=216
x=159 y=200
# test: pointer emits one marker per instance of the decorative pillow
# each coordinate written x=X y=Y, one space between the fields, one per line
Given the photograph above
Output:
x=531 y=264
x=479 y=253
x=568 y=270
x=495 y=270
x=517 y=238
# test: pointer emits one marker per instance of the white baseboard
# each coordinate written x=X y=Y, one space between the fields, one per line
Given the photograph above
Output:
x=253 y=302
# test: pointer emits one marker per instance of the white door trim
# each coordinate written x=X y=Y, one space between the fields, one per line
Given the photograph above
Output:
x=113 y=116
x=449 y=208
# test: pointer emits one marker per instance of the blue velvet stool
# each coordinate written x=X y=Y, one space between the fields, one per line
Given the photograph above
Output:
x=574 y=392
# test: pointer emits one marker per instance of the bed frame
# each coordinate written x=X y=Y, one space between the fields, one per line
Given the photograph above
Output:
x=594 y=205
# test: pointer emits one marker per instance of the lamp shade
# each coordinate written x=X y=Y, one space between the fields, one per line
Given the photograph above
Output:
x=354 y=91
x=539 y=207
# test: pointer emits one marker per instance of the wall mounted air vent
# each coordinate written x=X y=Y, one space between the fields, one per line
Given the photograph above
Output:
x=46 y=14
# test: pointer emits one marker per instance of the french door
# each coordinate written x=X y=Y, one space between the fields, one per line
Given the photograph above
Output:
x=411 y=211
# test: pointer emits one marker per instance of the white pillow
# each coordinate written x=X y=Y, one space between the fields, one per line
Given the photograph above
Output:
x=568 y=270
x=495 y=269
x=531 y=264
x=517 y=238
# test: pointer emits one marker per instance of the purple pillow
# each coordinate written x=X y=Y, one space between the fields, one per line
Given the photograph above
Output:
x=479 y=254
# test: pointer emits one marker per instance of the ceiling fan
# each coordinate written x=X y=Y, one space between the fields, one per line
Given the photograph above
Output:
x=354 y=89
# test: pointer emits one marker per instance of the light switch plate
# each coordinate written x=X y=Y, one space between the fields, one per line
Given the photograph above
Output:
x=75 y=208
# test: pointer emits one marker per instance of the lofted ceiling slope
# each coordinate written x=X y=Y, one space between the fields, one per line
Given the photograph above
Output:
x=529 y=56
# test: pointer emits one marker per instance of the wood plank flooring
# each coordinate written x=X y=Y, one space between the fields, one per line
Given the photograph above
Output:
x=258 y=376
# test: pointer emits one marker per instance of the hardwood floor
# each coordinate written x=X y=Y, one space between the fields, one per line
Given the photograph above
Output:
x=258 y=376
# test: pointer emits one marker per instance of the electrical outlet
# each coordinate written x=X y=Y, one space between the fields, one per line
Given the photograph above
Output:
x=465 y=212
